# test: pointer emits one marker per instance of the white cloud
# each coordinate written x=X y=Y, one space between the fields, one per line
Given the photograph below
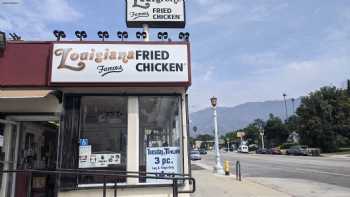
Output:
x=213 y=12
x=233 y=12
x=57 y=10
x=31 y=18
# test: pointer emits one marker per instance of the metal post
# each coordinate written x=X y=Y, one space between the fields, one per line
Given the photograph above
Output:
x=115 y=188
x=218 y=167
x=238 y=171
x=30 y=184
x=104 y=186
x=175 y=189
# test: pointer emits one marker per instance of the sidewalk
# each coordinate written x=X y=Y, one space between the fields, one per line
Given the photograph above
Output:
x=211 y=185
x=337 y=156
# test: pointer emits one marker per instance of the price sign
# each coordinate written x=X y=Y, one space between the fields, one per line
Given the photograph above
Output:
x=163 y=160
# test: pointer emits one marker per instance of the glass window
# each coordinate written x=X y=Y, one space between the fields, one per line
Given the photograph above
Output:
x=160 y=135
x=103 y=134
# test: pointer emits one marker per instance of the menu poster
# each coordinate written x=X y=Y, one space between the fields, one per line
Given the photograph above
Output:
x=89 y=160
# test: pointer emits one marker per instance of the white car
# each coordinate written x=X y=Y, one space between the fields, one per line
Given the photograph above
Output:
x=243 y=149
x=195 y=155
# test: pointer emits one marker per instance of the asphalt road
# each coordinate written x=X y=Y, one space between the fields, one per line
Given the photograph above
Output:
x=334 y=171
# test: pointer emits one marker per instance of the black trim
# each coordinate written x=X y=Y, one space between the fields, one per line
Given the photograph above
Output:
x=121 y=94
x=155 y=24
x=29 y=114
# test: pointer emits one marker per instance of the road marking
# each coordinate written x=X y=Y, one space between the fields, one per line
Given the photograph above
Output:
x=323 y=172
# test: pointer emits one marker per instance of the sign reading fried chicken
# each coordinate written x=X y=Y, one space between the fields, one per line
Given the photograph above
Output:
x=156 y=13
x=120 y=63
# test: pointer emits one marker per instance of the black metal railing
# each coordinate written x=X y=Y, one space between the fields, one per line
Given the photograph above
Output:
x=175 y=180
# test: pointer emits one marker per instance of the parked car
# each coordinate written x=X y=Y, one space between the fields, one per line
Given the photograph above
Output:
x=202 y=151
x=243 y=149
x=253 y=147
x=261 y=151
x=195 y=155
x=275 y=151
x=297 y=150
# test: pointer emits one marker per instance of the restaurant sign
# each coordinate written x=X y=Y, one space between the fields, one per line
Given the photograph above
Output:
x=120 y=63
x=156 y=13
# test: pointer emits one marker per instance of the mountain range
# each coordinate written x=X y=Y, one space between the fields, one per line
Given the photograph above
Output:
x=240 y=116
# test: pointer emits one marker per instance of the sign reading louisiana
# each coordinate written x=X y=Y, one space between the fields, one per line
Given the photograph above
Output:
x=120 y=63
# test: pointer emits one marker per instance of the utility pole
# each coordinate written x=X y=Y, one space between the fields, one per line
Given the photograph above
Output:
x=293 y=100
x=285 y=105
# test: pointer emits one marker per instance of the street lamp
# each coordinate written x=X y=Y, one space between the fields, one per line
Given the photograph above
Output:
x=228 y=144
x=81 y=35
x=218 y=167
x=163 y=35
x=123 y=35
x=185 y=36
x=59 y=34
x=262 y=133
x=103 y=35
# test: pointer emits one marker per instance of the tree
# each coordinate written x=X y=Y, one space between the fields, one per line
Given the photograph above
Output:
x=276 y=131
x=324 y=119
x=205 y=137
x=252 y=131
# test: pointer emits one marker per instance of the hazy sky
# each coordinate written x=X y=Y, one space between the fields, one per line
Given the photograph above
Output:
x=242 y=50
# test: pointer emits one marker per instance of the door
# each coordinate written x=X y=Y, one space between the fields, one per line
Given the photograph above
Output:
x=8 y=154
x=37 y=151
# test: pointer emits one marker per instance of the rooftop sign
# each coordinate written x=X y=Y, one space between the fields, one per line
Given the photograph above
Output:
x=156 y=13
x=120 y=63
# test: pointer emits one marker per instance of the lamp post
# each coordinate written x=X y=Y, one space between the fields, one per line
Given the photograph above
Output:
x=262 y=133
x=228 y=144
x=218 y=167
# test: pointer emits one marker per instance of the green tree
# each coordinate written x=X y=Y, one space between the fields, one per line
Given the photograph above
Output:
x=252 y=131
x=276 y=131
x=324 y=119
x=205 y=137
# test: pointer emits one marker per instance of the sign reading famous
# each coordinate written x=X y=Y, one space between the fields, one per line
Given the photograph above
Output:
x=156 y=13
x=120 y=63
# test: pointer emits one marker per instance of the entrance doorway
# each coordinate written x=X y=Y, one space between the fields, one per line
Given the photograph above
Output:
x=37 y=151
x=29 y=143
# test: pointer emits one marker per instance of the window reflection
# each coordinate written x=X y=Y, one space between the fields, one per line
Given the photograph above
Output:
x=104 y=133
x=159 y=126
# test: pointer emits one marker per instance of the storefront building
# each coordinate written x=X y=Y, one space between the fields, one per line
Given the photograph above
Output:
x=91 y=118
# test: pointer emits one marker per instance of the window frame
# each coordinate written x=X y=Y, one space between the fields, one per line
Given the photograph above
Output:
x=182 y=130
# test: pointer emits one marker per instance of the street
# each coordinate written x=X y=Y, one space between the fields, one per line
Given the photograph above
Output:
x=290 y=173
